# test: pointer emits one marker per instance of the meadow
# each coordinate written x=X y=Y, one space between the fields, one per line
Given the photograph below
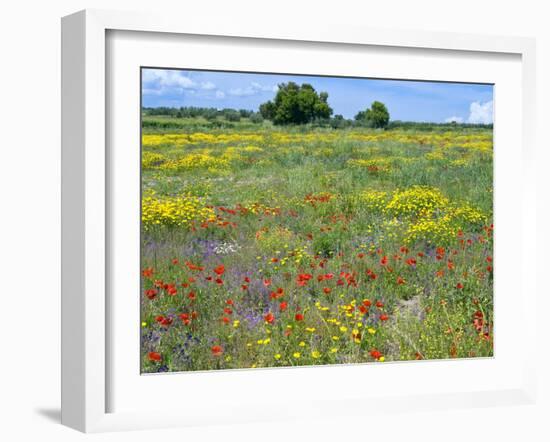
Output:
x=267 y=246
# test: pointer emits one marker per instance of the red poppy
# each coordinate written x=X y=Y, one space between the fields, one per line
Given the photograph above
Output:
x=283 y=306
x=489 y=259
x=440 y=273
x=379 y=304
x=279 y=293
x=244 y=287
x=367 y=303
x=325 y=277
x=384 y=317
x=459 y=286
x=375 y=354
x=192 y=266
x=159 y=318
x=151 y=293
x=327 y=290
x=478 y=324
x=360 y=255
x=450 y=265
x=154 y=356
x=220 y=270
x=191 y=280
x=225 y=320
x=299 y=317
x=404 y=249
x=219 y=281
x=194 y=315
x=191 y=295
x=175 y=261
x=303 y=278
x=228 y=311
x=274 y=259
x=269 y=318
x=267 y=282
x=166 y=321
x=229 y=302
x=159 y=283
x=363 y=309
x=171 y=289
x=384 y=260
x=247 y=279
x=411 y=261
x=400 y=280
x=420 y=254
x=148 y=272
x=217 y=350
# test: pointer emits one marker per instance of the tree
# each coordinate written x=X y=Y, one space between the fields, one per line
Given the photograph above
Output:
x=256 y=118
x=267 y=110
x=377 y=116
x=232 y=115
x=294 y=104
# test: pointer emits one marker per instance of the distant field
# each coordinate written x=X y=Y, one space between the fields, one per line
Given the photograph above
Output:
x=268 y=246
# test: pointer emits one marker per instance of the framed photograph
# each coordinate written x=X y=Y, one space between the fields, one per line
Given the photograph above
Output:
x=257 y=214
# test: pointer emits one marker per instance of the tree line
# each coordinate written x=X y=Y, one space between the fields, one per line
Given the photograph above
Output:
x=295 y=104
x=209 y=113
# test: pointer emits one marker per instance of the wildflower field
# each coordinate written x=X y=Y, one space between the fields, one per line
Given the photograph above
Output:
x=267 y=246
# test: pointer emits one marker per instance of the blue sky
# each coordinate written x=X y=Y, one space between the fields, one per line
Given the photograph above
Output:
x=406 y=100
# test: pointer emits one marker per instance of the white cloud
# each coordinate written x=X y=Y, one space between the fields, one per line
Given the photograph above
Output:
x=259 y=87
x=167 y=81
x=253 y=89
x=454 y=119
x=220 y=94
x=481 y=113
x=208 y=86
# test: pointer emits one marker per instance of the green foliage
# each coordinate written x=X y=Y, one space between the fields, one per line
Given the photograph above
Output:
x=232 y=115
x=296 y=104
x=256 y=118
x=436 y=127
x=377 y=116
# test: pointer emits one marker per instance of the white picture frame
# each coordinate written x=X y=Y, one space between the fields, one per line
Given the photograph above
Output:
x=85 y=198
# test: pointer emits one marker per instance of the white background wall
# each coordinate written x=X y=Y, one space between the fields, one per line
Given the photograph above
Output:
x=30 y=220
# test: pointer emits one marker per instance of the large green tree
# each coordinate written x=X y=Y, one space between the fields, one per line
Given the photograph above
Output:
x=377 y=116
x=296 y=104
